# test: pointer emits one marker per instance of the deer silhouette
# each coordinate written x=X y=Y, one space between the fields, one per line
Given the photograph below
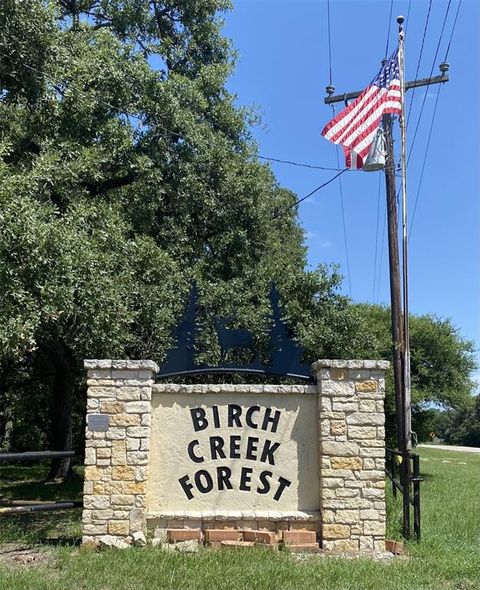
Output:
x=232 y=338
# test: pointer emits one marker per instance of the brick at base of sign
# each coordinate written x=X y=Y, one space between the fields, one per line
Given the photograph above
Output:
x=214 y=537
x=296 y=541
x=300 y=541
x=261 y=537
x=179 y=535
x=299 y=537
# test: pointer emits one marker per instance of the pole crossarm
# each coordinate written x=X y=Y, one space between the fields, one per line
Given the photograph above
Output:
x=412 y=84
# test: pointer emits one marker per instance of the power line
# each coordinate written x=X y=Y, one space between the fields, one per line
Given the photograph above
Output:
x=344 y=228
x=376 y=239
x=300 y=164
x=417 y=197
x=173 y=133
x=389 y=25
x=379 y=185
x=424 y=161
x=453 y=29
x=338 y=160
x=315 y=190
x=419 y=59
x=375 y=282
x=128 y=114
x=431 y=71
x=408 y=14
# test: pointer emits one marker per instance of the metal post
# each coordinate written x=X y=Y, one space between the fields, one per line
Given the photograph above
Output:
x=393 y=467
x=416 y=496
x=406 y=493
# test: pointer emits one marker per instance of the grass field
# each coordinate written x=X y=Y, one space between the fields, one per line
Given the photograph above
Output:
x=447 y=558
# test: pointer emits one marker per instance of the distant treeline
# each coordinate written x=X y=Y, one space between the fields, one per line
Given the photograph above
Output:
x=454 y=426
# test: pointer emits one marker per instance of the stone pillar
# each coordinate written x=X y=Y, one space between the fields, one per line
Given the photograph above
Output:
x=352 y=454
x=116 y=459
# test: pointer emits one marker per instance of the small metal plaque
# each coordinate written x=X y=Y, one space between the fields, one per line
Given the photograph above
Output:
x=98 y=422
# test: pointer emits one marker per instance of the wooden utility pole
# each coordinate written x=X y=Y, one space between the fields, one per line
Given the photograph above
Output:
x=394 y=265
x=399 y=321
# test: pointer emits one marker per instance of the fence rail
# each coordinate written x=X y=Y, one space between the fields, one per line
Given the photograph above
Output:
x=403 y=470
x=24 y=506
x=36 y=455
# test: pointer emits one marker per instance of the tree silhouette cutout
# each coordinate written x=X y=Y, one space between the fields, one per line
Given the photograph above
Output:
x=286 y=353
x=182 y=358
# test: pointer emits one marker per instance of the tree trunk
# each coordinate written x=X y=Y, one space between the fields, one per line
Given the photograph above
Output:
x=62 y=402
x=6 y=422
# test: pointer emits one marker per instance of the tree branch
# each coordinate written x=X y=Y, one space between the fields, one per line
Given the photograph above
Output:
x=97 y=188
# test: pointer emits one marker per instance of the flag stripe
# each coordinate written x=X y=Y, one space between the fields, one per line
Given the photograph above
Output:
x=372 y=118
x=381 y=102
x=345 y=116
x=355 y=127
x=364 y=119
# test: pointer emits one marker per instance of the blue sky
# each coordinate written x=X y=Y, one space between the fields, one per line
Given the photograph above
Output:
x=283 y=69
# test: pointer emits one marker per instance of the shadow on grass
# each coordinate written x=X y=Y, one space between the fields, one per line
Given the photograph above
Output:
x=50 y=528
x=63 y=541
x=28 y=483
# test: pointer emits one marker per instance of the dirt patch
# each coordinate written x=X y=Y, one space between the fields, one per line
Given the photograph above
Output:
x=17 y=555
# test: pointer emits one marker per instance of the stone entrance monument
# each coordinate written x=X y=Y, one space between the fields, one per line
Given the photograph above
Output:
x=299 y=465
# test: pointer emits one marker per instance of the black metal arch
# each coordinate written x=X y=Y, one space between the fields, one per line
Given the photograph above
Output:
x=232 y=370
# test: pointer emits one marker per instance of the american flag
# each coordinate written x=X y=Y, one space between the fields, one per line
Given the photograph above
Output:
x=355 y=127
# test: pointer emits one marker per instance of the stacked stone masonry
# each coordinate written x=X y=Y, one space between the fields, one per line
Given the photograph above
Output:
x=351 y=515
x=352 y=454
x=116 y=461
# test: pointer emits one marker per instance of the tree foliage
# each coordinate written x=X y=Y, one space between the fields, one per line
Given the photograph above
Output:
x=441 y=362
x=126 y=173
x=462 y=427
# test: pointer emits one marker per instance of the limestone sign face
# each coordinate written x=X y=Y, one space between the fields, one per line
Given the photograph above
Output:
x=205 y=481
x=235 y=451
x=237 y=461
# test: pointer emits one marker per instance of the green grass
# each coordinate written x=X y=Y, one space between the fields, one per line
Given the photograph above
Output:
x=26 y=483
x=447 y=558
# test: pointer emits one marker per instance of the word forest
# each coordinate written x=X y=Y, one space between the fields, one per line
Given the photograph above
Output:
x=220 y=448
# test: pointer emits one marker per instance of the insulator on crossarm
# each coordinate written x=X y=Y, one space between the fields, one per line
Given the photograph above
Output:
x=444 y=67
x=330 y=90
